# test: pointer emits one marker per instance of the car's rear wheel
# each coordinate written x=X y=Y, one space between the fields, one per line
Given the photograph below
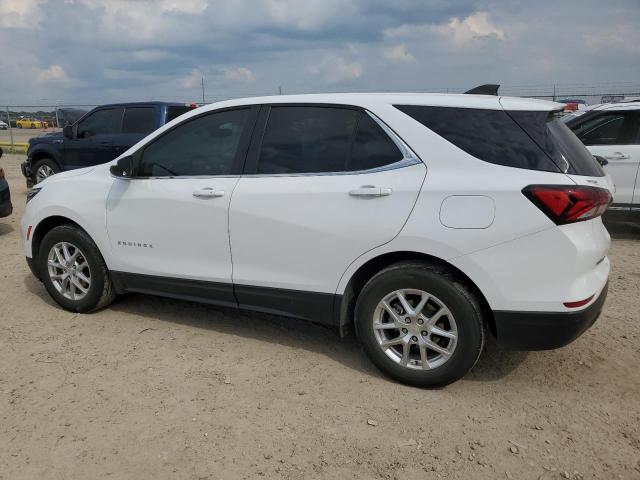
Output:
x=73 y=271
x=419 y=324
x=44 y=168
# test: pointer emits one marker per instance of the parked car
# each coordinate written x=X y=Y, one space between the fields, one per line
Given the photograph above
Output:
x=31 y=123
x=3 y=125
x=98 y=137
x=5 y=195
x=423 y=220
x=612 y=131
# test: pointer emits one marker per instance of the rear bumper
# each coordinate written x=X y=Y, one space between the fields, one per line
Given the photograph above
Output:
x=545 y=330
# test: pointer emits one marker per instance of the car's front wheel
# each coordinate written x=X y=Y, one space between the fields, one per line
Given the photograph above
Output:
x=73 y=270
x=419 y=324
x=44 y=168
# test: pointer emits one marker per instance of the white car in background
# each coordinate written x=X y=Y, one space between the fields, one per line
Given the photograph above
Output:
x=612 y=131
x=3 y=125
x=423 y=220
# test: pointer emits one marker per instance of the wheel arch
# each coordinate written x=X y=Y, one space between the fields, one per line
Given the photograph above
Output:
x=41 y=154
x=45 y=226
x=345 y=304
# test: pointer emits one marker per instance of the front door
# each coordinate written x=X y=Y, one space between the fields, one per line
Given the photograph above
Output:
x=324 y=186
x=94 y=141
x=169 y=224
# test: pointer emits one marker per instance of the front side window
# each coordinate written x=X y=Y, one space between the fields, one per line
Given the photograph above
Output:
x=606 y=129
x=105 y=121
x=302 y=139
x=139 y=120
x=206 y=145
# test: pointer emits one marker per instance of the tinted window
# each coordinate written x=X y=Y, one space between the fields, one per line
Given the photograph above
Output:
x=175 y=111
x=558 y=142
x=139 y=120
x=612 y=128
x=207 y=145
x=490 y=135
x=307 y=140
x=101 y=122
x=372 y=147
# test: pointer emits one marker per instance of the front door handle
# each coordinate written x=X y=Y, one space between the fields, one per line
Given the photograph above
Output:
x=208 y=192
x=618 y=156
x=370 y=191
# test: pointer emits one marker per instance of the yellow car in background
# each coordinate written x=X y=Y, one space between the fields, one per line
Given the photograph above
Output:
x=31 y=123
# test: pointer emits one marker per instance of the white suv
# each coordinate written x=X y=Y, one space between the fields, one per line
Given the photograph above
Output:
x=612 y=131
x=423 y=220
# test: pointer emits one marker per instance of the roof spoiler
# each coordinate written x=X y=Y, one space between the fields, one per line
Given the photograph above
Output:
x=488 y=89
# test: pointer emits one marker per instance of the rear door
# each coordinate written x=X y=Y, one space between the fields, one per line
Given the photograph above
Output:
x=137 y=123
x=613 y=134
x=322 y=186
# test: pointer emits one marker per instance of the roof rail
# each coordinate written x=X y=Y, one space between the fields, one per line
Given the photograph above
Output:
x=488 y=89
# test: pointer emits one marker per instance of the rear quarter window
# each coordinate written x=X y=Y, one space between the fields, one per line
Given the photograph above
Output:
x=489 y=135
x=530 y=140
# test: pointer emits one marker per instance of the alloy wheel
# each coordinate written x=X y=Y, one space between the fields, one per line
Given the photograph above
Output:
x=69 y=271
x=44 y=171
x=415 y=329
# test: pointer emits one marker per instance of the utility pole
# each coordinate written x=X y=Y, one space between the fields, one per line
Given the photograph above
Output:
x=554 y=92
x=10 y=129
x=280 y=90
x=203 y=89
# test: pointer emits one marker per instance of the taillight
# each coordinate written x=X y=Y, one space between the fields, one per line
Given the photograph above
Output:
x=569 y=203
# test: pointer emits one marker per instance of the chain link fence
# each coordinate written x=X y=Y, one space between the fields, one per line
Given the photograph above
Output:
x=19 y=123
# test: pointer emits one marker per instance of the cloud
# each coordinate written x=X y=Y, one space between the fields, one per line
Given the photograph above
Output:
x=335 y=69
x=474 y=27
x=240 y=74
x=19 y=13
x=193 y=80
x=160 y=49
x=53 y=75
x=398 y=53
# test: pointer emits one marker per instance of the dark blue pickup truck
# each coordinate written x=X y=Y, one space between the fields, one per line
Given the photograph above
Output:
x=98 y=137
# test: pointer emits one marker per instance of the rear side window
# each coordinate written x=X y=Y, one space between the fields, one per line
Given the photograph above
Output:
x=139 y=120
x=372 y=147
x=490 y=135
x=104 y=121
x=307 y=140
x=300 y=139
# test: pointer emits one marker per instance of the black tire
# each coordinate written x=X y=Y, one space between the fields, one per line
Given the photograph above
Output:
x=441 y=283
x=48 y=162
x=19 y=125
x=100 y=292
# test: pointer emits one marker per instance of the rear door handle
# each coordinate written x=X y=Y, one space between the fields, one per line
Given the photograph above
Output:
x=618 y=156
x=370 y=191
x=208 y=192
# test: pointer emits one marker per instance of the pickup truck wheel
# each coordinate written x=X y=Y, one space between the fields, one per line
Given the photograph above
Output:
x=419 y=324
x=73 y=270
x=44 y=168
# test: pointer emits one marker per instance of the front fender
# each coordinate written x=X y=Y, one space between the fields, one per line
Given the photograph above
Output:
x=43 y=150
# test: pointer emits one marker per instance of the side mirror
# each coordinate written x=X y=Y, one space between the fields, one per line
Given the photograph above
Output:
x=601 y=160
x=123 y=168
x=67 y=131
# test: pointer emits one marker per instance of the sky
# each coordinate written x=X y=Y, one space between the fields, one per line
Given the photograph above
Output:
x=91 y=52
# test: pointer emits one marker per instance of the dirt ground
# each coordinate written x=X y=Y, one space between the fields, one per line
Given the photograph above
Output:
x=152 y=388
